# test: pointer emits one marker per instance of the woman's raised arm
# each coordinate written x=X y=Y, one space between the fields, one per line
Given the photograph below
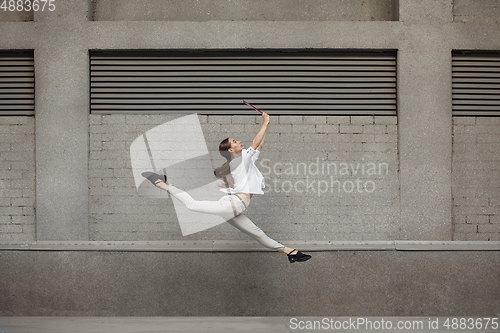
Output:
x=258 y=140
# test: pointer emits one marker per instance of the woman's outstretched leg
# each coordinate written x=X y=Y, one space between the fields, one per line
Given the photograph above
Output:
x=244 y=224
x=220 y=207
x=223 y=207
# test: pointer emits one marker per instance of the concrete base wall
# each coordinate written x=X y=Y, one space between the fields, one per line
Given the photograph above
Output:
x=345 y=283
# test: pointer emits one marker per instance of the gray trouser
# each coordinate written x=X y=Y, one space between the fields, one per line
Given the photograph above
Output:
x=229 y=207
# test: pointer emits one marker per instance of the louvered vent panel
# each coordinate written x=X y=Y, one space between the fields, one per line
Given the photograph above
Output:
x=476 y=84
x=17 y=83
x=216 y=82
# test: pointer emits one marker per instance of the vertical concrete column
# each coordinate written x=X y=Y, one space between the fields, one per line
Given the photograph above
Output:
x=61 y=123
x=425 y=122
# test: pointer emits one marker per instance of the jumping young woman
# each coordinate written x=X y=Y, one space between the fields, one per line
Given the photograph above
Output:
x=242 y=179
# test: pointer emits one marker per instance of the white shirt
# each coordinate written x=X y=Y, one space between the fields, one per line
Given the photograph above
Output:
x=247 y=177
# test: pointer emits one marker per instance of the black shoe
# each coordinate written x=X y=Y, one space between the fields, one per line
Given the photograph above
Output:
x=154 y=178
x=299 y=256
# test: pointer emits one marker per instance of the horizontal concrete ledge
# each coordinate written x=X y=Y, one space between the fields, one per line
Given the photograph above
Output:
x=234 y=324
x=244 y=246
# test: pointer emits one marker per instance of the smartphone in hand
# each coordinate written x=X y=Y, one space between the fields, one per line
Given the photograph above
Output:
x=245 y=102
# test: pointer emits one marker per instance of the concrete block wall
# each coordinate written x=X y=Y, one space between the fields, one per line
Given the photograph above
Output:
x=17 y=179
x=476 y=175
x=327 y=177
x=116 y=211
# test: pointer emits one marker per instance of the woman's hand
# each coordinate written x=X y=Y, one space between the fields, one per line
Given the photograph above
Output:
x=266 y=117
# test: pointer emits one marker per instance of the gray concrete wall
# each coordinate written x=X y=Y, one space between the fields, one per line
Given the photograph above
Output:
x=345 y=283
x=242 y=10
x=17 y=179
x=12 y=15
x=327 y=178
x=470 y=11
x=476 y=171
x=458 y=283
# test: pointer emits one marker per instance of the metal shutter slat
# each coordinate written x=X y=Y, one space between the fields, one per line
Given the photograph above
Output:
x=12 y=112
x=476 y=91
x=476 y=56
x=16 y=64
x=243 y=84
x=232 y=101
x=299 y=112
x=132 y=74
x=15 y=74
x=468 y=63
x=17 y=91
x=7 y=86
x=473 y=85
x=17 y=81
x=477 y=96
x=240 y=68
x=261 y=62
x=233 y=107
x=240 y=91
x=253 y=96
x=144 y=56
x=15 y=107
x=475 y=75
x=20 y=58
x=483 y=113
x=198 y=79
x=474 y=102
x=17 y=96
x=8 y=68
x=15 y=101
x=477 y=70
x=476 y=80
x=476 y=107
